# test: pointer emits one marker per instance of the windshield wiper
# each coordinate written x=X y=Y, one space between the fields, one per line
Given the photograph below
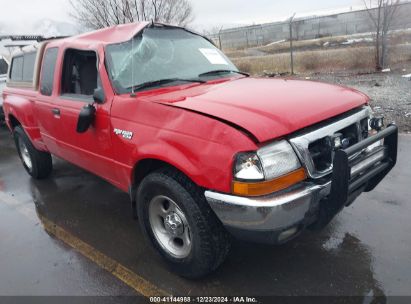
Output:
x=160 y=82
x=223 y=71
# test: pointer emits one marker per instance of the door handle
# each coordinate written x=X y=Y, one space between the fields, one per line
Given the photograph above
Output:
x=55 y=111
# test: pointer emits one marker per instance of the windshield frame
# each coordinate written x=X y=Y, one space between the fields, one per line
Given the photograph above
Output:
x=109 y=63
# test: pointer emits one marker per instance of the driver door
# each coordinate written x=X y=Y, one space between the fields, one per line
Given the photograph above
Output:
x=91 y=150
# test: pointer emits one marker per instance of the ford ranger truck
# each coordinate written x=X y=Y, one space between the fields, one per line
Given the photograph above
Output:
x=205 y=151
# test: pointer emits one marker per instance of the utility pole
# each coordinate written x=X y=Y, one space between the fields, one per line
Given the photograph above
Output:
x=219 y=38
x=291 y=45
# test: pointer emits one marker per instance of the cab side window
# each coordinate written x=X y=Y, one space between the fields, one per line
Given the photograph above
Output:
x=47 y=71
x=79 y=74
x=28 y=66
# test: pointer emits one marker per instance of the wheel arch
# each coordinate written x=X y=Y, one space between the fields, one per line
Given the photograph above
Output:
x=144 y=167
x=13 y=122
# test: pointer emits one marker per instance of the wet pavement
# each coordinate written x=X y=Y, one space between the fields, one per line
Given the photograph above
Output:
x=365 y=251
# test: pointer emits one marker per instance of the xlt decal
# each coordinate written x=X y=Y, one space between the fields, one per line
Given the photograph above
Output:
x=125 y=134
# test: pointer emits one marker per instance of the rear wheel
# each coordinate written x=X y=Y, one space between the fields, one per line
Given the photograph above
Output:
x=176 y=218
x=37 y=163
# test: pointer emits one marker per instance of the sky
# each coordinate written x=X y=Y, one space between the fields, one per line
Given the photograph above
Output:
x=208 y=13
x=30 y=11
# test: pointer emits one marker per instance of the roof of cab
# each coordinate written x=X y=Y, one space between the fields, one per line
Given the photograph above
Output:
x=112 y=35
x=109 y=35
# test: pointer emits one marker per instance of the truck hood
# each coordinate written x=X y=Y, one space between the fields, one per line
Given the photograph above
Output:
x=266 y=108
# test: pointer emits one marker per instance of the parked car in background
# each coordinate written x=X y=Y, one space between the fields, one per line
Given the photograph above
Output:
x=203 y=149
x=3 y=79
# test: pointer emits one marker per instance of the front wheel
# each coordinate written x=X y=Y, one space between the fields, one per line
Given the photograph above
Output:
x=176 y=218
x=37 y=163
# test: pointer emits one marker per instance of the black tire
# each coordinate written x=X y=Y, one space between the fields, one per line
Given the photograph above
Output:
x=210 y=243
x=41 y=162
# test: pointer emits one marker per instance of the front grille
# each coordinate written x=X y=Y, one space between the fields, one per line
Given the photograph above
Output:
x=315 y=148
x=321 y=154
x=321 y=150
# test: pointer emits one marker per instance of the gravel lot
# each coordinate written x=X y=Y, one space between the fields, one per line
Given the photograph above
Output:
x=390 y=93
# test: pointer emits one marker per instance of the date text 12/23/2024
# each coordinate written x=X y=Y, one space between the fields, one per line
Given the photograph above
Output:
x=171 y=299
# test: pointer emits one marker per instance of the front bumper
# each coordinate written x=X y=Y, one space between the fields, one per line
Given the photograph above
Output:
x=280 y=216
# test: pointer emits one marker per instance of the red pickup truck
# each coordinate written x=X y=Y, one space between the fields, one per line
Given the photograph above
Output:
x=205 y=151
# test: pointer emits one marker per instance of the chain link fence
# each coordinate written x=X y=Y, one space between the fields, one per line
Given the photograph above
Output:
x=349 y=23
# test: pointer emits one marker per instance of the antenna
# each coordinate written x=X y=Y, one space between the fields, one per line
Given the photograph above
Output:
x=133 y=93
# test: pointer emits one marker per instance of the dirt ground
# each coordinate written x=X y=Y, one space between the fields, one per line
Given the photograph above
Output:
x=390 y=93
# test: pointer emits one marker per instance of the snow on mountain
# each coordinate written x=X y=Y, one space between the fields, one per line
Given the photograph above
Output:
x=49 y=28
x=44 y=27
x=2 y=28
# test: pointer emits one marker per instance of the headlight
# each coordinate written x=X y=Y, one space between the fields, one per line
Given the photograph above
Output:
x=267 y=163
x=278 y=159
x=272 y=168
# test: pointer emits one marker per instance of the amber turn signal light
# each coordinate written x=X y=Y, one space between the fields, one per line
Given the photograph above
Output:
x=267 y=187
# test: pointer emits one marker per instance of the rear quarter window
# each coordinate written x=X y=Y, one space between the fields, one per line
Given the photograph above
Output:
x=47 y=71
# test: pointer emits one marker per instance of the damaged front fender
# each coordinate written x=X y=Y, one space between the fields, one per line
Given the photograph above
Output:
x=201 y=147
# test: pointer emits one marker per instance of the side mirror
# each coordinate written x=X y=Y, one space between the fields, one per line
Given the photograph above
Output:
x=85 y=118
x=98 y=95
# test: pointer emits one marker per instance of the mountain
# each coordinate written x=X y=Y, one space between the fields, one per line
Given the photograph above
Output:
x=44 y=27
x=49 y=28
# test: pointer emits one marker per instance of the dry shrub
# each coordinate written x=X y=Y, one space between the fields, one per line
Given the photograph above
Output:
x=399 y=53
x=359 y=59
x=279 y=63
x=400 y=37
x=308 y=61
x=235 y=53
x=244 y=66
x=355 y=59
